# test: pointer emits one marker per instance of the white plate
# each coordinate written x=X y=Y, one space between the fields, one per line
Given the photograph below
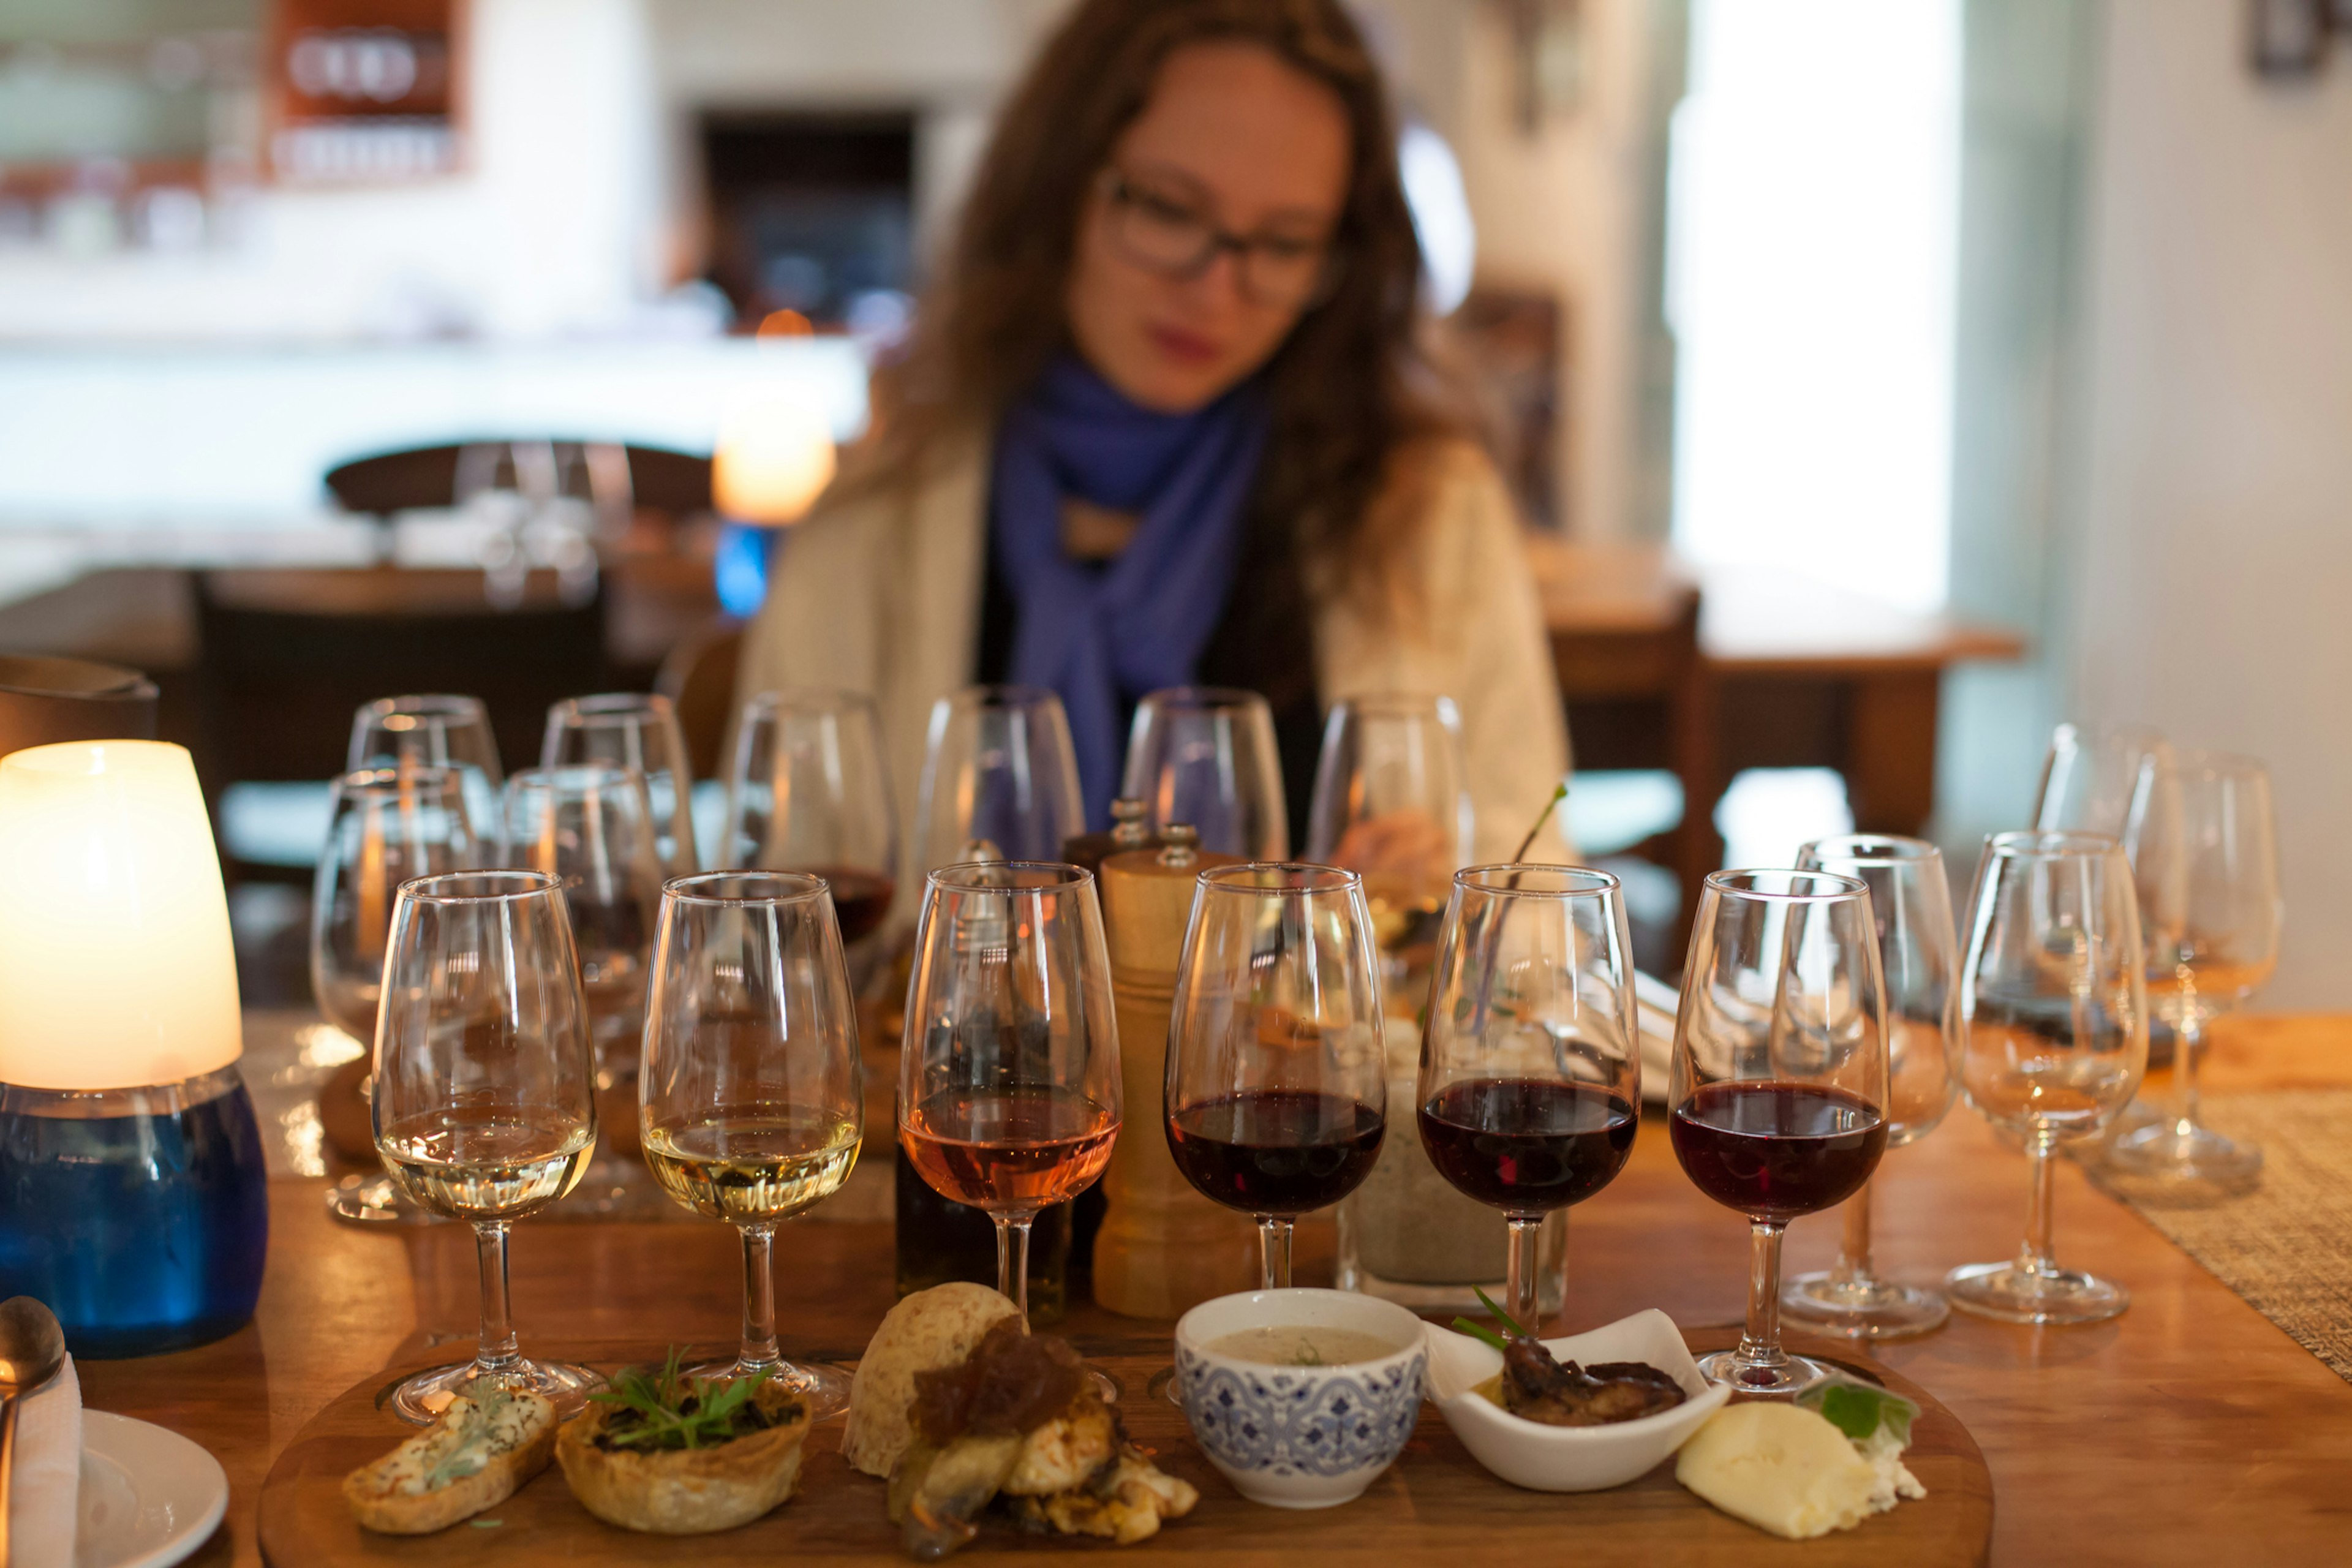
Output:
x=149 y=1497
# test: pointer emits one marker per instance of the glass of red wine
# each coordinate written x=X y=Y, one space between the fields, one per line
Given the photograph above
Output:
x=1530 y=1082
x=1778 y=1084
x=810 y=791
x=1008 y=1075
x=1277 y=1094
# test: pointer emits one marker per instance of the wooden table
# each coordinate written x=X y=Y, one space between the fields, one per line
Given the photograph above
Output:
x=1791 y=672
x=2189 y=1429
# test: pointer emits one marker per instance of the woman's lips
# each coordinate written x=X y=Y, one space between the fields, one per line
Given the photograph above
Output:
x=1183 y=347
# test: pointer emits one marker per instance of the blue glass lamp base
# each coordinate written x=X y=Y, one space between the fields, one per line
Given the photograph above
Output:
x=140 y=1216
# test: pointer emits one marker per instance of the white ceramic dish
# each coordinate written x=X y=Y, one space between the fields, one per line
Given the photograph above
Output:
x=1571 y=1458
x=1299 y=1437
x=149 y=1497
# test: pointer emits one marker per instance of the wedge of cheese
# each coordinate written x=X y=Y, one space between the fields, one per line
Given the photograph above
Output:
x=1782 y=1468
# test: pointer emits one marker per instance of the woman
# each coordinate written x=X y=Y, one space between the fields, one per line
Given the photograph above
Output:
x=1164 y=420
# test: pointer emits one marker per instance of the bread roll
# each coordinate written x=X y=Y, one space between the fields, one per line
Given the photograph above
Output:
x=930 y=1330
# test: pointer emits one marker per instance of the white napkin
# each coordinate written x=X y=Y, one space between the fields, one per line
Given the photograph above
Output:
x=44 y=1484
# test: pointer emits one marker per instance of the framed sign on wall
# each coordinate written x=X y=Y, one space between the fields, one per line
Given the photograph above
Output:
x=364 y=91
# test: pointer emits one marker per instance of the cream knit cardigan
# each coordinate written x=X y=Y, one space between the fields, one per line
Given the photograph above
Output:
x=880 y=593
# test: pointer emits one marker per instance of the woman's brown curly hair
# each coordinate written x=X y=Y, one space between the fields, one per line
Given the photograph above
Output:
x=1353 y=395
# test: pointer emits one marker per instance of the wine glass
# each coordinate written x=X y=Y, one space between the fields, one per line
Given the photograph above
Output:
x=1530 y=1084
x=1278 y=1084
x=633 y=729
x=1000 y=779
x=434 y=731
x=2054 y=1010
x=484 y=1104
x=1204 y=755
x=1008 y=1073
x=2206 y=865
x=384 y=827
x=2096 y=778
x=1779 y=1085
x=1391 y=804
x=1920 y=960
x=810 y=791
x=591 y=826
x=750 y=1108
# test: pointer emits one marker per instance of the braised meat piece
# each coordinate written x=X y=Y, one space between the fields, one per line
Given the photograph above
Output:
x=1539 y=1387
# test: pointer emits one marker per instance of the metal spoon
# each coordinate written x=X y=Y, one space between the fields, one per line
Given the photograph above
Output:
x=32 y=1348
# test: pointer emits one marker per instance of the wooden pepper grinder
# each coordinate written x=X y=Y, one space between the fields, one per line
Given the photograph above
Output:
x=1162 y=1248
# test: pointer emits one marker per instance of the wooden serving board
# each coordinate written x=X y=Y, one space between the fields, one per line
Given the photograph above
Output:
x=1436 y=1505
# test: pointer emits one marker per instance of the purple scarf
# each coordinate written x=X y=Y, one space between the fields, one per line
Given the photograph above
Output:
x=1103 y=635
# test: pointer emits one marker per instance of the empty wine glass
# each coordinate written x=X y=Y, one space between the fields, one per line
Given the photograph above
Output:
x=1008 y=1075
x=1919 y=958
x=1531 y=1085
x=810 y=791
x=1391 y=804
x=2096 y=778
x=433 y=731
x=1278 y=1084
x=592 y=826
x=1779 y=1086
x=634 y=730
x=484 y=1104
x=2053 y=1011
x=1000 y=779
x=384 y=827
x=751 y=1104
x=2207 y=869
x=1205 y=755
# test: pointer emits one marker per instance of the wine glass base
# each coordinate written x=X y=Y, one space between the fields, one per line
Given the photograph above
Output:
x=824 y=1387
x=1862 y=1308
x=1784 y=1379
x=419 y=1400
x=2199 y=1157
x=373 y=1201
x=2014 y=1294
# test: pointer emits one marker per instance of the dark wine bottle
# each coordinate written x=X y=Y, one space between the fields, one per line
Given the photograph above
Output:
x=940 y=1240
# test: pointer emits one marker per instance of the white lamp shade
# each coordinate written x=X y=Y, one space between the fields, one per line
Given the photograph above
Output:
x=115 y=967
x=775 y=457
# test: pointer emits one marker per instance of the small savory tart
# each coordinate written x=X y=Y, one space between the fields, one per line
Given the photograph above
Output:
x=673 y=1456
x=474 y=1457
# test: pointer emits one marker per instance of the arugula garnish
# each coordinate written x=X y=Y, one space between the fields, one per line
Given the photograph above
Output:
x=1481 y=1332
x=673 y=1411
x=1859 y=1411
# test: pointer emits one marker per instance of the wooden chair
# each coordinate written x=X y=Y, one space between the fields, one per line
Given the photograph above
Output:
x=622 y=482
x=698 y=678
x=1625 y=635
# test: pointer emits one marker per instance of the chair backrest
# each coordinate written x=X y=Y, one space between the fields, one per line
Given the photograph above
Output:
x=677 y=483
x=698 y=678
x=286 y=656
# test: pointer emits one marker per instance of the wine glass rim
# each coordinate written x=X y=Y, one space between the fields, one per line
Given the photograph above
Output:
x=2205 y=764
x=1731 y=884
x=690 y=890
x=1311 y=880
x=2052 y=843
x=609 y=705
x=807 y=700
x=1386 y=703
x=426 y=704
x=392 y=780
x=1201 y=698
x=1873 y=849
x=2076 y=729
x=1588 y=881
x=1004 y=695
x=1053 y=876
x=546 y=778
x=441 y=887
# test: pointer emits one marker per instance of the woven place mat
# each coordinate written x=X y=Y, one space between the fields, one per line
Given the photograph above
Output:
x=2285 y=1247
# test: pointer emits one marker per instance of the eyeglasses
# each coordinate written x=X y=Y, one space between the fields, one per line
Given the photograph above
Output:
x=1159 y=232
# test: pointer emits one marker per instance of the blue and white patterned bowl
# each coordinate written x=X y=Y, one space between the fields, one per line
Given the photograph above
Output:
x=1300 y=1436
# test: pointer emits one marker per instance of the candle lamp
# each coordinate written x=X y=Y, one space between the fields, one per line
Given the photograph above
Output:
x=133 y=1198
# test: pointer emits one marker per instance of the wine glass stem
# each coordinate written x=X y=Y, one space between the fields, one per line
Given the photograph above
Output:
x=1760 y=1344
x=497 y=1351
x=1526 y=1311
x=2034 y=1255
x=2189 y=1046
x=1012 y=1258
x=1274 y=1250
x=1853 y=1250
x=759 y=1297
